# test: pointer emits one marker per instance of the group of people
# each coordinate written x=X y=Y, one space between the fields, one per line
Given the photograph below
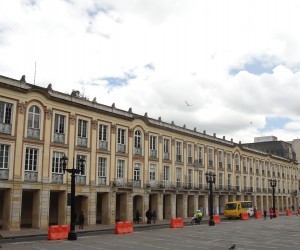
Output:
x=151 y=216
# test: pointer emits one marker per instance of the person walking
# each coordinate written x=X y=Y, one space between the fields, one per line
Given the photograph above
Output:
x=137 y=216
x=265 y=214
x=154 y=216
x=149 y=216
x=81 y=220
x=271 y=211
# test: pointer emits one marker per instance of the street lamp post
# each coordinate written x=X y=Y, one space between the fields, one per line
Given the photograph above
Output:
x=211 y=179
x=73 y=171
x=273 y=184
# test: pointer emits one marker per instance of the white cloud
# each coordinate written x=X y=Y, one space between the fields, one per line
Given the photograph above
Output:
x=192 y=45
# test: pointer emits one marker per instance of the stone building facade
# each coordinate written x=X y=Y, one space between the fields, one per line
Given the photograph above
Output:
x=131 y=162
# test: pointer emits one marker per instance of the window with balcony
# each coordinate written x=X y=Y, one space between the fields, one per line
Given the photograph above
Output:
x=81 y=177
x=103 y=137
x=82 y=132
x=237 y=183
x=4 y=161
x=200 y=179
x=6 y=117
x=31 y=165
x=137 y=142
x=251 y=166
x=256 y=167
x=166 y=176
x=121 y=140
x=210 y=158
x=152 y=174
x=166 y=149
x=258 y=189
x=102 y=169
x=57 y=169
x=153 y=146
x=244 y=164
x=220 y=159
x=190 y=153
x=179 y=177
x=220 y=181
x=137 y=175
x=245 y=183
x=200 y=155
x=190 y=178
x=229 y=182
x=33 y=123
x=59 y=128
x=229 y=161
x=179 y=151
x=237 y=163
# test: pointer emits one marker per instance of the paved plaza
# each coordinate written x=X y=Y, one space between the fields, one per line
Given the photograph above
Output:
x=279 y=233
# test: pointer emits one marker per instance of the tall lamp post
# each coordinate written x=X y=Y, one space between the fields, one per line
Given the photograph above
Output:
x=273 y=184
x=73 y=171
x=211 y=179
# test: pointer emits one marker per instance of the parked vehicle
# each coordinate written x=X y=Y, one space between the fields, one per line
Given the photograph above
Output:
x=234 y=209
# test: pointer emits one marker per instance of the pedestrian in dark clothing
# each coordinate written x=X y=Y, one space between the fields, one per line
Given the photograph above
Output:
x=137 y=216
x=81 y=220
x=154 y=216
x=149 y=216
x=265 y=214
x=271 y=211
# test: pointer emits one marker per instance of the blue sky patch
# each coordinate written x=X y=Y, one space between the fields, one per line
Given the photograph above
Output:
x=257 y=66
x=275 y=123
x=119 y=81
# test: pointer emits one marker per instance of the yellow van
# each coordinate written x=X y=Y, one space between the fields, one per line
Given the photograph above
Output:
x=234 y=209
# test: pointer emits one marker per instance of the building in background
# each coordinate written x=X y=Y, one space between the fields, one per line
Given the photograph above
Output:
x=132 y=162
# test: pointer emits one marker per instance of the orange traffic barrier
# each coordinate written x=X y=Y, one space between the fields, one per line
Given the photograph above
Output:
x=123 y=227
x=258 y=214
x=58 y=232
x=277 y=213
x=244 y=216
x=176 y=223
x=289 y=212
x=217 y=219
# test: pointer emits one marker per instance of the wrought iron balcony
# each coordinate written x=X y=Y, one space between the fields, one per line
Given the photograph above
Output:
x=153 y=153
x=59 y=138
x=31 y=176
x=178 y=158
x=4 y=174
x=166 y=156
x=258 y=189
x=210 y=164
x=190 y=160
x=152 y=183
x=165 y=184
x=121 y=148
x=82 y=141
x=137 y=151
x=33 y=133
x=136 y=183
x=57 y=178
x=220 y=165
x=5 y=128
x=237 y=168
x=80 y=179
x=103 y=145
x=229 y=167
x=101 y=181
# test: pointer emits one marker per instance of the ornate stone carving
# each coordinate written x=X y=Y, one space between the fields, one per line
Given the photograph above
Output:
x=94 y=124
x=49 y=113
x=72 y=119
x=21 y=106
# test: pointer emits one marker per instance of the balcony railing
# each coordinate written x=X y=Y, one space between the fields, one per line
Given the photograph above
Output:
x=165 y=184
x=229 y=167
x=33 y=133
x=82 y=141
x=57 y=178
x=31 y=176
x=137 y=151
x=153 y=153
x=179 y=158
x=244 y=169
x=237 y=168
x=237 y=188
x=190 y=160
x=103 y=145
x=121 y=148
x=101 y=181
x=166 y=156
x=152 y=183
x=59 y=138
x=179 y=184
x=4 y=174
x=5 y=128
x=80 y=179
x=220 y=165
x=258 y=189
x=210 y=164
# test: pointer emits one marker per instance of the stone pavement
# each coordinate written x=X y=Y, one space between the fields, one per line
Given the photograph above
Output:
x=30 y=232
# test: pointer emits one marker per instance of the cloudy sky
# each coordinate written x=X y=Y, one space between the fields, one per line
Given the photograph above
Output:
x=228 y=67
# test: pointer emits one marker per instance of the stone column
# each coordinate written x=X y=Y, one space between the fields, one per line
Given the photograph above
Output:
x=160 y=207
x=206 y=204
x=216 y=204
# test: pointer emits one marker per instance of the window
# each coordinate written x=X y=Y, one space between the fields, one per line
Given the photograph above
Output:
x=153 y=146
x=4 y=154
x=166 y=173
x=178 y=177
x=229 y=161
x=5 y=117
x=190 y=178
x=220 y=159
x=190 y=153
x=82 y=128
x=179 y=151
x=59 y=124
x=31 y=159
x=200 y=179
x=102 y=163
x=251 y=183
x=152 y=172
x=237 y=183
x=200 y=155
x=229 y=181
x=137 y=142
x=121 y=169
x=166 y=149
x=34 y=117
x=121 y=140
x=244 y=165
x=83 y=170
x=220 y=180
x=245 y=183
x=257 y=184
x=237 y=162
x=103 y=131
x=56 y=162
x=137 y=172
x=210 y=157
